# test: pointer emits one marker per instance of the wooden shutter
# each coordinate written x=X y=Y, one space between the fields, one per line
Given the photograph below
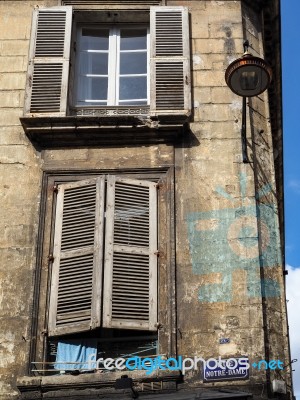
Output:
x=170 y=81
x=48 y=69
x=75 y=297
x=130 y=269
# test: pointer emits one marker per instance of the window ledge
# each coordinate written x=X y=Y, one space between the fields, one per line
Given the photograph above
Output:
x=57 y=386
x=82 y=130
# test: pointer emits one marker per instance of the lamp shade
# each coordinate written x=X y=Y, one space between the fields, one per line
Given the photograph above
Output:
x=248 y=76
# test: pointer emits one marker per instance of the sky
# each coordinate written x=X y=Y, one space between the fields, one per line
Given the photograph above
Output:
x=290 y=11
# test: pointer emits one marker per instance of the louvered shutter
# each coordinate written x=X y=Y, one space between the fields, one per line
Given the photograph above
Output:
x=130 y=269
x=170 y=81
x=75 y=296
x=49 y=58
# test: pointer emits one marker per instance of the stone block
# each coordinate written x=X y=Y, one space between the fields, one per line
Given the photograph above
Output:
x=22 y=212
x=206 y=61
x=14 y=47
x=13 y=64
x=16 y=154
x=11 y=283
x=222 y=95
x=217 y=130
x=207 y=46
x=14 y=350
x=209 y=78
x=225 y=29
x=114 y=158
x=19 y=235
x=20 y=29
x=219 y=66
x=202 y=96
x=225 y=46
x=18 y=258
x=191 y=4
x=10 y=99
x=199 y=30
x=61 y=155
x=10 y=116
x=12 y=81
x=18 y=174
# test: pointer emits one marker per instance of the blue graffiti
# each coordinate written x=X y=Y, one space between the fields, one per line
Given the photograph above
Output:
x=222 y=241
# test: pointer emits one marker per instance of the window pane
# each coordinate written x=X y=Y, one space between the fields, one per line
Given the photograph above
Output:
x=133 y=63
x=133 y=88
x=133 y=39
x=132 y=102
x=92 y=89
x=93 y=63
x=94 y=39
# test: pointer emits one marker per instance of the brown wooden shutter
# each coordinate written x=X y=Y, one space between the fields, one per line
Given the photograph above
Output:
x=75 y=296
x=130 y=269
x=48 y=69
x=170 y=80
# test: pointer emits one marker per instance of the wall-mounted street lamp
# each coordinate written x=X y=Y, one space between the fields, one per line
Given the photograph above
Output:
x=247 y=76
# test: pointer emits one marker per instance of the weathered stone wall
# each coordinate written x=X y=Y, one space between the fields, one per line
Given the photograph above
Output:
x=20 y=190
x=268 y=201
x=217 y=200
x=226 y=225
x=229 y=267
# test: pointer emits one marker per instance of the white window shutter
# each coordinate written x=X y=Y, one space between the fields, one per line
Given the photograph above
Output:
x=170 y=81
x=130 y=269
x=49 y=59
x=76 y=282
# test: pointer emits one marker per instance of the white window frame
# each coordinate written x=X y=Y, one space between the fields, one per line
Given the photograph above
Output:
x=113 y=65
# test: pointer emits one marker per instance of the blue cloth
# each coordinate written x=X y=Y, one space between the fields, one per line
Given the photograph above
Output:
x=76 y=351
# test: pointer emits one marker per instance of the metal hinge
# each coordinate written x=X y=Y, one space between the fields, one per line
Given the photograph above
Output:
x=50 y=258
x=159 y=186
x=55 y=188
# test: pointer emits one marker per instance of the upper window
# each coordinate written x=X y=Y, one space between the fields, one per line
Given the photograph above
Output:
x=112 y=66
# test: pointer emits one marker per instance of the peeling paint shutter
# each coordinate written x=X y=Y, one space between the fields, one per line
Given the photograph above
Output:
x=170 y=61
x=75 y=297
x=130 y=269
x=48 y=69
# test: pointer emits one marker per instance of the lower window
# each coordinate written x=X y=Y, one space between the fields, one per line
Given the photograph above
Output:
x=102 y=271
x=102 y=286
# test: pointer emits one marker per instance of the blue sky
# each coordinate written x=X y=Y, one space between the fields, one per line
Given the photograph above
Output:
x=290 y=11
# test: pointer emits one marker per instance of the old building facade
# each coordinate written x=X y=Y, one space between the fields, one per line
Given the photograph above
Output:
x=131 y=225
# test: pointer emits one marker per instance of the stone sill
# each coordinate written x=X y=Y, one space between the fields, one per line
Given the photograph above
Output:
x=53 y=132
x=57 y=386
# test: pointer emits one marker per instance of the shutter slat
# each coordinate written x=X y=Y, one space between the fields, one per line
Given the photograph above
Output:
x=49 y=58
x=169 y=36
x=170 y=61
x=130 y=275
x=76 y=276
